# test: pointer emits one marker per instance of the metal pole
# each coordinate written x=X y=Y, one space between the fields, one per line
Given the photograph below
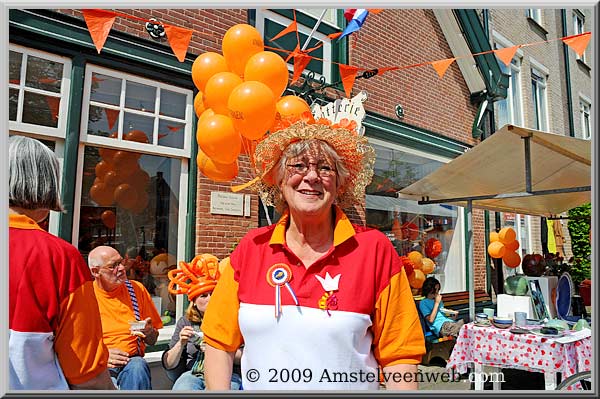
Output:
x=314 y=29
x=527 y=163
x=470 y=261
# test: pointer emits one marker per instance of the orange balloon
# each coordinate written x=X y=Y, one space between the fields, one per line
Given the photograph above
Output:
x=291 y=107
x=140 y=179
x=252 y=109
x=428 y=266
x=101 y=194
x=416 y=258
x=109 y=219
x=125 y=196
x=216 y=171
x=268 y=68
x=217 y=91
x=125 y=163
x=511 y=259
x=199 y=104
x=512 y=246
x=137 y=135
x=205 y=66
x=112 y=179
x=494 y=236
x=105 y=153
x=241 y=42
x=506 y=235
x=416 y=279
x=218 y=139
x=496 y=249
x=102 y=168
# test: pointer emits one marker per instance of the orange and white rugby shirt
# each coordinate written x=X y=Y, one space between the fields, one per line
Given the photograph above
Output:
x=372 y=321
x=55 y=336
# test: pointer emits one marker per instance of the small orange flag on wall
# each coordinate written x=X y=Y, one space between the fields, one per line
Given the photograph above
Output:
x=99 y=23
x=579 y=42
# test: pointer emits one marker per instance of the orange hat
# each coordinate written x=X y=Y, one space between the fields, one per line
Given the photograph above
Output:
x=195 y=278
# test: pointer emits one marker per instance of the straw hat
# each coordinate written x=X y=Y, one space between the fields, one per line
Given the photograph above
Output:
x=354 y=150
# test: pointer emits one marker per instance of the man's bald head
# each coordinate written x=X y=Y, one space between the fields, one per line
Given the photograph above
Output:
x=99 y=255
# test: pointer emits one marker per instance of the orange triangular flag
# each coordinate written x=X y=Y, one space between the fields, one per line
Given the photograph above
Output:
x=375 y=10
x=334 y=35
x=300 y=62
x=441 y=66
x=179 y=39
x=99 y=23
x=348 y=74
x=506 y=54
x=111 y=116
x=53 y=104
x=292 y=27
x=579 y=42
x=293 y=53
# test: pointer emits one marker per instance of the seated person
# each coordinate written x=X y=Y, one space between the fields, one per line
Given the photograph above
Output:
x=120 y=301
x=430 y=307
x=184 y=360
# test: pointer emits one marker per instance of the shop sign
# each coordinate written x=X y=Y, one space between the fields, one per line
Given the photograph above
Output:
x=349 y=108
x=223 y=203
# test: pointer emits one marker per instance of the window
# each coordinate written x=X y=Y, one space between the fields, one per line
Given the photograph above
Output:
x=538 y=92
x=132 y=189
x=535 y=14
x=509 y=109
x=271 y=22
x=408 y=224
x=584 y=112
x=38 y=96
x=579 y=28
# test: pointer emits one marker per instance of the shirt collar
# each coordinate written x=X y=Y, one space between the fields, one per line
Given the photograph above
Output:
x=342 y=231
x=18 y=221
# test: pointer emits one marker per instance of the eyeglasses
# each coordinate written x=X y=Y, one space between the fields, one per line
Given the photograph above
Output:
x=300 y=168
x=112 y=266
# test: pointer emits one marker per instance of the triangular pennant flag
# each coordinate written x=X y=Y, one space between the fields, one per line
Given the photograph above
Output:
x=293 y=53
x=99 y=23
x=506 y=54
x=375 y=10
x=334 y=35
x=442 y=65
x=578 y=43
x=292 y=27
x=348 y=74
x=53 y=104
x=300 y=62
x=111 y=116
x=179 y=39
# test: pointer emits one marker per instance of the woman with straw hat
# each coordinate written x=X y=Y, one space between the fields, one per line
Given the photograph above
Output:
x=318 y=302
x=184 y=360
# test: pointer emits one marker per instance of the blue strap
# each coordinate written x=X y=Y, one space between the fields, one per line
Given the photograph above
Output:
x=136 y=310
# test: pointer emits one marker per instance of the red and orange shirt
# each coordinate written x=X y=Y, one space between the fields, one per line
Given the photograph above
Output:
x=355 y=311
x=55 y=336
x=116 y=310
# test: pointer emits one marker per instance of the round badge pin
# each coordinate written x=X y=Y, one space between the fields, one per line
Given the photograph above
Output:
x=279 y=274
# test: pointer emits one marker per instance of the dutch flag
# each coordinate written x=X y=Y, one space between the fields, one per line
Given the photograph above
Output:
x=355 y=18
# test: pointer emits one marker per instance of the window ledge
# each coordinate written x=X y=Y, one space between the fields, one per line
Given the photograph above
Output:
x=536 y=25
x=584 y=64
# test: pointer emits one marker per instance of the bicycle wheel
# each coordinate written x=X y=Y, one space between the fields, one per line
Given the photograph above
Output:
x=575 y=378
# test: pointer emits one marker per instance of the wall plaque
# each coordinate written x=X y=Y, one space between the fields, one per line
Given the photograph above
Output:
x=226 y=203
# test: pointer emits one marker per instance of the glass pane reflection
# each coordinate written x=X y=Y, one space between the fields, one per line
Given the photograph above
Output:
x=44 y=74
x=131 y=201
x=14 y=67
x=40 y=110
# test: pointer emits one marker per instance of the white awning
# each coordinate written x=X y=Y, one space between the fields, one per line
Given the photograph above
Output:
x=496 y=170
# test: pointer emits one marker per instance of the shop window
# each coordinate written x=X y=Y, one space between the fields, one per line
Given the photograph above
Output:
x=584 y=114
x=271 y=22
x=133 y=185
x=579 y=28
x=38 y=91
x=409 y=225
x=126 y=111
x=509 y=110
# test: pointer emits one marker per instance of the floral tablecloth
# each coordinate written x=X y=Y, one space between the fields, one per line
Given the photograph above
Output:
x=496 y=347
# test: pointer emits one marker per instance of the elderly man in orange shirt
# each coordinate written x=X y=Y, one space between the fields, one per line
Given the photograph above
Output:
x=122 y=301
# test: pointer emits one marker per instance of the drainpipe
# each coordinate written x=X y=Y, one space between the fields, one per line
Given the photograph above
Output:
x=567 y=74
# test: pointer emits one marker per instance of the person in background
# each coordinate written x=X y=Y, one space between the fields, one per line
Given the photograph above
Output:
x=313 y=292
x=55 y=333
x=184 y=360
x=430 y=307
x=122 y=301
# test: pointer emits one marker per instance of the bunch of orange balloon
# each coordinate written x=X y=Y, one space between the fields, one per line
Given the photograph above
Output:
x=119 y=178
x=239 y=100
x=503 y=244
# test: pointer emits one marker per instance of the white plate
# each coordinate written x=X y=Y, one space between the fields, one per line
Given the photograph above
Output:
x=538 y=332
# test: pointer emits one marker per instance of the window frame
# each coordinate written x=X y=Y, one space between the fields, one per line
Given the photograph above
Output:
x=539 y=96
x=579 y=28
x=332 y=53
x=60 y=131
x=119 y=143
x=585 y=106
x=514 y=108
x=535 y=14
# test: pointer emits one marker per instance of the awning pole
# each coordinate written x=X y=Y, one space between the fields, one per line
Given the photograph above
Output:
x=527 y=163
x=470 y=260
